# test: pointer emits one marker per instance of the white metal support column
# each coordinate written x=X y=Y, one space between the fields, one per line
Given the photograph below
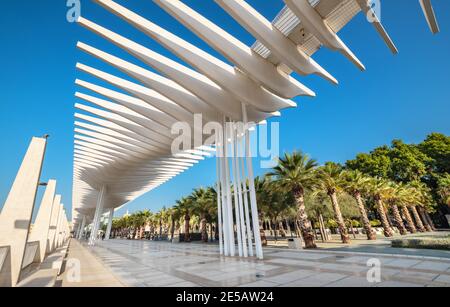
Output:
x=223 y=188
x=98 y=214
x=251 y=179
x=238 y=190
x=83 y=225
x=228 y=191
x=110 y=219
x=235 y=187
x=219 y=196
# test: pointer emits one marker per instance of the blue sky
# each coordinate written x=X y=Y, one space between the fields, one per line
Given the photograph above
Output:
x=404 y=96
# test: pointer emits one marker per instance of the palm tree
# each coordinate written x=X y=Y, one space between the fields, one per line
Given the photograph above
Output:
x=355 y=184
x=377 y=188
x=183 y=206
x=394 y=195
x=422 y=199
x=330 y=178
x=296 y=173
x=201 y=202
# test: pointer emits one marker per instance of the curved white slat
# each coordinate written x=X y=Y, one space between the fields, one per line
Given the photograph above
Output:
x=430 y=16
x=273 y=39
x=196 y=83
x=226 y=76
x=256 y=67
x=314 y=23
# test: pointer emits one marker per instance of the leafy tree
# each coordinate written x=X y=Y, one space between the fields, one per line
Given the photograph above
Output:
x=437 y=147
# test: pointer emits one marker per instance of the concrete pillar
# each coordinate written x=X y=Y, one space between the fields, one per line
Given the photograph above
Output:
x=110 y=219
x=42 y=223
x=17 y=211
x=53 y=224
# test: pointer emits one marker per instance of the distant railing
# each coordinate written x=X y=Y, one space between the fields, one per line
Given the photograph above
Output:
x=31 y=251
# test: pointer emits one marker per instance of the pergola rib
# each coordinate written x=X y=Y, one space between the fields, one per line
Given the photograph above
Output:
x=123 y=140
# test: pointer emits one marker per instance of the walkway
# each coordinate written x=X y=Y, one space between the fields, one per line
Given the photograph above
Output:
x=147 y=263
x=92 y=272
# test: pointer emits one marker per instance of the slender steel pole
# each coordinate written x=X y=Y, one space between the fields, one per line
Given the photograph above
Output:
x=228 y=189
x=235 y=185
x=239 y=191
x=218 y=190
x=254 y=206
x=226 y=232
x=97 y=216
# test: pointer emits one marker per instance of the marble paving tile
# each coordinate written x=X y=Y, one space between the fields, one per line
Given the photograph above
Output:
x=291 y=276
x=354 y=282
x=443 y=278
x=433 y=266
x=397 y=284
x=261 y=283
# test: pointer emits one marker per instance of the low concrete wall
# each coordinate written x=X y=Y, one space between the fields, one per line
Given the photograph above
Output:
x=5 y=266
x=31 y=254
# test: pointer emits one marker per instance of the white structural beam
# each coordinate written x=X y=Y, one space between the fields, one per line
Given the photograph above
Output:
x=366 y=7
x=198 y=84
x=430 y=16
x=17 y=211
x=241 y=55
x=314 y=23
x=272 y=38
x=41 y=225
x=223 y=74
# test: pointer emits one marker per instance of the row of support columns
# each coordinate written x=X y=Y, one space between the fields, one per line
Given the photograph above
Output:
x=51 y=228
x=96 y=223
x=233 y=144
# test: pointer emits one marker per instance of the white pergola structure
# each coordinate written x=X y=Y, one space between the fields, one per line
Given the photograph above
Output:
x=123 y=145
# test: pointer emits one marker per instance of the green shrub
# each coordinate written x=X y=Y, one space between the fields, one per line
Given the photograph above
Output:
x=442 y=243
x=332 y=224
x=375 y=223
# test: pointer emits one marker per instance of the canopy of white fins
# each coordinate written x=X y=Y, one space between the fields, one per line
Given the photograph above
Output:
x=123 y=141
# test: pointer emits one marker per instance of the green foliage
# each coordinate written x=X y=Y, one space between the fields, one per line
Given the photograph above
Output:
x=437 y=147
x=438 y=242
x=375 y=223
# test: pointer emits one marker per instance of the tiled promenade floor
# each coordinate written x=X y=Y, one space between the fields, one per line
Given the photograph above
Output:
x=147 y=263
x=93 y=273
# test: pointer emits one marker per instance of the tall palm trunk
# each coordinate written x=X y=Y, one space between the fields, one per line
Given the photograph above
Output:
x=340 y=220
x=262 y=233
x=409 y=220
x=282 y=230
x=204 y=230
x=430 y=220
x=305 y=224
x=172 y=228
x=371 y=235
x=425 y=220
x=398 y=220
x=384 y=221
x=187 y=219
x=419 y=223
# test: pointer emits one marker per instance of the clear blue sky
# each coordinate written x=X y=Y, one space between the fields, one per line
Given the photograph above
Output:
x=405 y=96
